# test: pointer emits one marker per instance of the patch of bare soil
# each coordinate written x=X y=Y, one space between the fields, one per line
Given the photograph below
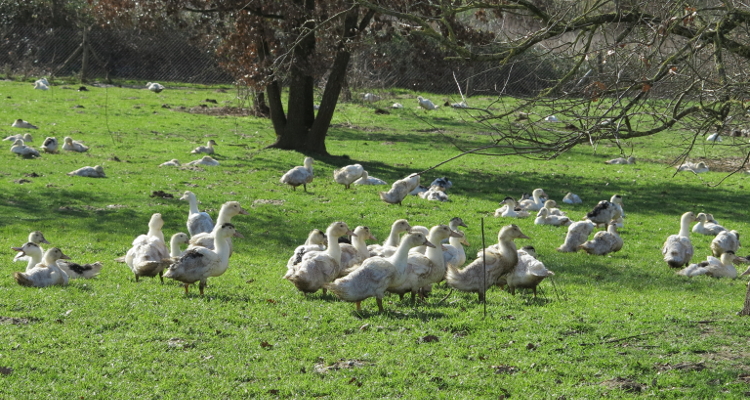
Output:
x=220 y=111
x=358 y=128
x=623 y=384
x=728 y=164
x=683 y=366
x=343 y=364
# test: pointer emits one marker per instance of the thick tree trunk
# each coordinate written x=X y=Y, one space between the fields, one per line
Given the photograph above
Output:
x=303 y=130
x=746 y=308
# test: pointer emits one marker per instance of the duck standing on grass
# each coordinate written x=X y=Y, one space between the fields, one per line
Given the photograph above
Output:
x=320 y=267
x=348 y=174
x=678 y=249
x=198 y=264
x=299 y=175
x=499 y=260
x=149 y=255
x=377 y=274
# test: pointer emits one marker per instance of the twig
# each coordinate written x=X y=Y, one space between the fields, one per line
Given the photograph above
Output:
x=446 y=296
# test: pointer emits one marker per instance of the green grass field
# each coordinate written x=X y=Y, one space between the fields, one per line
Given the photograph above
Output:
x=618 y=326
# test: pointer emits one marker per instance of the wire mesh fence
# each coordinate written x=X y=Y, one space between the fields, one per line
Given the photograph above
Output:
x=108 y=54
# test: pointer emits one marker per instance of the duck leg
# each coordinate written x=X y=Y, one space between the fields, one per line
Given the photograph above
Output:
x=201 y=286
x=359 y=305
x=186 y=287
x=136 y=277
x=380 y=304
x=161 y=278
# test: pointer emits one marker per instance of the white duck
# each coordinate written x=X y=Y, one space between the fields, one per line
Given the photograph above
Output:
x=353 y=254
x=26 y=137
x=616 y=199
x=714 y=267
x=412 y=182
x=206 y=160
x=89 y=172
x=299 y=175
x=19 y=123
x=30 y=251
x=454 y=252
x=578 y=233
x=551 y=206
x=376 y=274
x=604 y=242
x=534 y=204
x=366 y=179
x=39 y=85
x=171 y=163
x=621 y=160
x=348 y=174
x=20 y=148
x=316 y=241
x=697 y=168
x=500 y=259
x=706 y=228
x=43 y=80
x=227 y=211
x=510 y=209
x=397 y=228
x=398 y=192
x=149 y=255
x=528 y=273
x=154 y=87
x=426 y=104
x=543 y=217
x=46 y=273
x=725 y=241
x=678 y=249
x=320 y=267
x=572 y=198
x=435 y=193
x=443 y=182
x=73 y=145
x=175 y=241
x=198 y=221
x=208 y=148
x=424 y=270
x=80 y=271
x=50 y=145
x=198 y=264
x=603 y=213
x=35 y=237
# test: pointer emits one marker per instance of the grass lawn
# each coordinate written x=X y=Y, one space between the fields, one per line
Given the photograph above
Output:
x=617 y=326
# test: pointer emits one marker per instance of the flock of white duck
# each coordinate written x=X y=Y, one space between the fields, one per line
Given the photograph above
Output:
x=207 y=255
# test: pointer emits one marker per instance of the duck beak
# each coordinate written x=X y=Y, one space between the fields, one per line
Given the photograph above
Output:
x=183 y=198
x=747 y=272
x=442 y=247
x=44 y=240
x=428 y=244
x=523 y=236
x=463 y=224
x=243 y=211
x=64 y=257
x=18 y=249
x=350 y=233
x=373 y=237
x=465 y=242
x=455 y=234
x=239 y=235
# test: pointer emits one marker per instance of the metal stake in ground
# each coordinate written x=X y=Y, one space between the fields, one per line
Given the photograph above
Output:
x=483 y=290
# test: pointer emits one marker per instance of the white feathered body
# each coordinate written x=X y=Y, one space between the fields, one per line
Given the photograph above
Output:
x=578 y=233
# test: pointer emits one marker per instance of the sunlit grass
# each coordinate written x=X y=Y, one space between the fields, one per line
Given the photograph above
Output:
x=626 y=315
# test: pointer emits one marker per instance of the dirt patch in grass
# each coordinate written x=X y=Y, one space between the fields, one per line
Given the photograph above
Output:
x=727 y=164
x=623 y=384
x=343 y=364
x=15 y=321
x=220 y=111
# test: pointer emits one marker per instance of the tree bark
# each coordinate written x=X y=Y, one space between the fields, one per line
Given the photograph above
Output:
x=746 y=308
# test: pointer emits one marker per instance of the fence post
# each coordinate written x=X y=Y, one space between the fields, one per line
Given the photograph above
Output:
x=85 y=57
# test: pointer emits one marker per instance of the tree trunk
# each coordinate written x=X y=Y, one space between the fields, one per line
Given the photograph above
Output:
x=302 y=130
x=746 y=308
